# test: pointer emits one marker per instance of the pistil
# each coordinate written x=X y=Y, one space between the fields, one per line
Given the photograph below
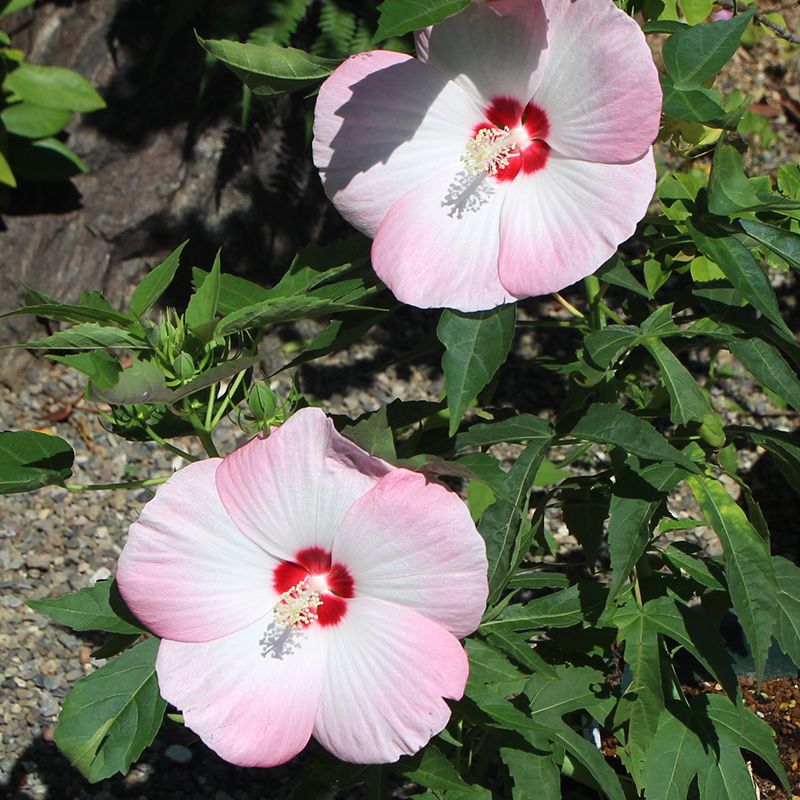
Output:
x=297 y=607
x=488 y=151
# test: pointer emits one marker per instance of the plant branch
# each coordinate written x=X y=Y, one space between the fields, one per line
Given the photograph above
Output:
x=101 y=487
x=762 y=19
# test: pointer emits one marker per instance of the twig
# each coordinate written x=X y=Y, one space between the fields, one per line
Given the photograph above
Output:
x=761 y=19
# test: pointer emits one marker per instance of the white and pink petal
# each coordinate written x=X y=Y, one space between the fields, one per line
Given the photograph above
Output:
x=389 y=671
x=563 y=222
x=288 y=492
x=252 y=696
x=600 y=89
x=438 y=245
x=187 y=572
x=491 y=49
x=384 y=122
x=412 y=542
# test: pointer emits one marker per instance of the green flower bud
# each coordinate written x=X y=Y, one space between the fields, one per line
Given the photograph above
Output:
x=183 y=366
x=262 y=401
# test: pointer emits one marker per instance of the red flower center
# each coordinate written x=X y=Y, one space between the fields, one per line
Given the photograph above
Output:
x=519 y=132
x=314 y=569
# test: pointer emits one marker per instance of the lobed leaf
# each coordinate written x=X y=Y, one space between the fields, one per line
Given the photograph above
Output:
x=30 y=460
x=398 y=17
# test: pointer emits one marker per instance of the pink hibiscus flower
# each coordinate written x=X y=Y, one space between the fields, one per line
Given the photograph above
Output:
x=509 y=159
x=303 y=587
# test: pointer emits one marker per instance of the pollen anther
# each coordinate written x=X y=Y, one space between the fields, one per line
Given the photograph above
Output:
x=488 y=151
x=297 y=607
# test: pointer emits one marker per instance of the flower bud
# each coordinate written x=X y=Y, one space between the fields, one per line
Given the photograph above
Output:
x=262 y=402
x=183 y=366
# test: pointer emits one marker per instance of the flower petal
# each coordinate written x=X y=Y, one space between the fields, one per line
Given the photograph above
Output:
x=495 y=49
x=438 y=245
x=600 y=90
x=388 y=670
x=412 y=542
x=563 y=222
x=289 y=491
x=383 y=123
x=252 y=696
x=187 y=572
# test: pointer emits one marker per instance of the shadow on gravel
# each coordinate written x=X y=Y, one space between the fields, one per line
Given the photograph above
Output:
x=43 y=773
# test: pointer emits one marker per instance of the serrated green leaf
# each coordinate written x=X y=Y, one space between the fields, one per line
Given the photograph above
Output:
x=784 y=447
x=751 y=577
x=686 y=399
x=636 y=499
x=62 y=312
x=730 y=191
x=694 y=566
x=616 y=272
x=696 y=105
x=743 y=271
x=502 y=523
x=269 y=69
x=694 y=54
x=156 y=282
x=606 y=423
x=10 y=6
x=97 y=608
x=766 y=364
x=201 y=312
x=373 y=434
x=87 y=336
x=141 y=382
x=562 y=609
x=101 y=367
x=535 y=774
x=30 y=460
x=53 y=87
x=234 y=292
x=607 y=345
x=111 y=715
x=787 y=624
x=642 y=701
x=476 y=346
x=489 y=666
x=784 y=243
x=433 y=769
x=520 y=428
x=398 y=17
x=34 y=122
x=676 y=755
x=518 y=648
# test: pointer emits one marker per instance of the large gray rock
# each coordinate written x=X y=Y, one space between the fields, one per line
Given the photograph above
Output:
x=164 y=164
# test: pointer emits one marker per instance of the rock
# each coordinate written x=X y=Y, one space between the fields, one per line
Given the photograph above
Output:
x=178 y=753
x=38 y=560
x=102 y=574
x=48 y=705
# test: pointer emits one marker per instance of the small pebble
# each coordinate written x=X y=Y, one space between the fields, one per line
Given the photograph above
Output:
x=178 y=753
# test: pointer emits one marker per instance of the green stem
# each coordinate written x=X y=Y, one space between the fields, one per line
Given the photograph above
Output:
x=227 y=400
x=167 y=446
x=100 y=487
x=593 y=296
x=207 y=441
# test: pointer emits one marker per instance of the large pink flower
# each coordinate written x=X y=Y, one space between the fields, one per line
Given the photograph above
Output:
x=303 y=587
x=509 y=159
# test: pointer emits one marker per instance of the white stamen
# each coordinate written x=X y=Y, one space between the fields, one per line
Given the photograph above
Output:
x=297 y=607
x=488 y=151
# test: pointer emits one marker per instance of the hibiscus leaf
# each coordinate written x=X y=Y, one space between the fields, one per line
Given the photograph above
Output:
x=156 y=282
x=686 y=399
x=434 y=770
x=111 y=715
x=695 y=54
x=502 y=523
x=607 y=423
x=521 y=428
x=605 y=346
x=97 y=608
x=535 y=773
x=88 y=336
x=269 y=69
x=787 y=625
x=398 y=17
x=30 y=460
x=751 y=575
x=202 y=309
x=766 y=364
x=476 y=346
x=786 y=244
